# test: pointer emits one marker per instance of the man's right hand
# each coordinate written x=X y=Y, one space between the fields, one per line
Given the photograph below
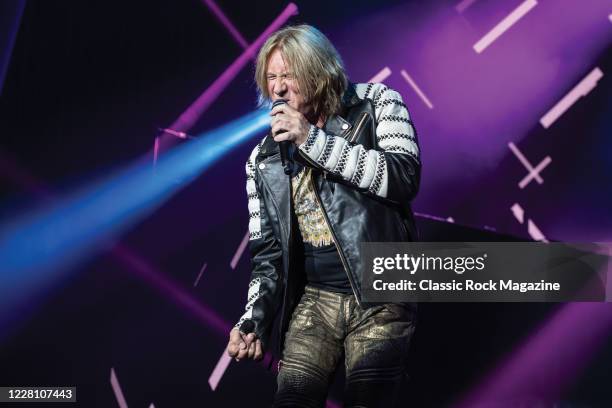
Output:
x=242 y=346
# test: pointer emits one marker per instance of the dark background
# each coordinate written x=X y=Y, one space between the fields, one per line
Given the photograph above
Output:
x=86 y=86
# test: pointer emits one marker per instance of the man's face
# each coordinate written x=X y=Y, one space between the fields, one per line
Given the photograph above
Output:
x=283 y=85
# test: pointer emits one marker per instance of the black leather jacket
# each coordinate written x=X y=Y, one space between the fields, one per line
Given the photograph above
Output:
x=354 y=214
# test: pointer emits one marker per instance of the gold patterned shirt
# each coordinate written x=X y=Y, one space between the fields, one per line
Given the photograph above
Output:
x=310 y=217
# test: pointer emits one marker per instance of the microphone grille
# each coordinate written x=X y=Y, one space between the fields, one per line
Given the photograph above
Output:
x=278 y=102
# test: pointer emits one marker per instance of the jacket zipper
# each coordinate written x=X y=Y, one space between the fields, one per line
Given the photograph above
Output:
x=285 y=287
x=284 y=297
x=333 y=234
x=364 y=116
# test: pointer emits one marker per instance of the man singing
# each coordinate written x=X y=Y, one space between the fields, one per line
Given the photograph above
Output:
x=357 y=168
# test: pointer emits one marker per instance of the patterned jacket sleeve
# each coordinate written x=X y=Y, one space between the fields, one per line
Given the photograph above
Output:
x=392 y=172
x=265 y=288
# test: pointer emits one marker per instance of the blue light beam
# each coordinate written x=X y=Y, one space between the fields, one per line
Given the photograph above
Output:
x=35 y=247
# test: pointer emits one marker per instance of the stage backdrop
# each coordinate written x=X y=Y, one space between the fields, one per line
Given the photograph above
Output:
x=511 y=102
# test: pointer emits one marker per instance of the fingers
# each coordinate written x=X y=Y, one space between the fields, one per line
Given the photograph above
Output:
x=255 y=350
x=277 y=109
x=282 y=123
x=278 y=125
x=280 y=120
x=284 y=136
x=283 y=108
x=252 y=348
x=247 y=338
x=282 y=132
x=245 y=343
x=242 y=351
x=243 y=346
x=233 y=346
x=258 y=351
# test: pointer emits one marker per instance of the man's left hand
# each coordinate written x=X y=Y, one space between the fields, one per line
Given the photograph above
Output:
x=289 y=124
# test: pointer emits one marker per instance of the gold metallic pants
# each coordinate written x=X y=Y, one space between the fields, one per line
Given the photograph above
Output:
x=374 y=341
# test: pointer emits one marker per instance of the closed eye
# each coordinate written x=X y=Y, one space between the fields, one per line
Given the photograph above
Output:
x=272 y=77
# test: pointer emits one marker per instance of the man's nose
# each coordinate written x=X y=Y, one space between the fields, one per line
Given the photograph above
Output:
x=280 y=87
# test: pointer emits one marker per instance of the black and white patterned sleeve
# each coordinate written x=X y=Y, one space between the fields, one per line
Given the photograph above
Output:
x=263 y=297
x=254 y=231
x=376 y=171
x=253 y=197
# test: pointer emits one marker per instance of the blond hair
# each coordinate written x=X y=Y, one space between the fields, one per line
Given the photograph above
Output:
x=315 y=65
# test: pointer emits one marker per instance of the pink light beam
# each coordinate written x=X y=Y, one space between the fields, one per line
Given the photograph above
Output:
x=200 y=274
x=219 y=370
x=532 y=229
x=117 y=390
x=416 y=88
x=176 y=133
x=155 y=150
x=171 y=289
x=548 y=361
x=504 y=25
x=240 y=250
x=518 y=212
x=381 y=76
x=203 y=102
x=585 y=86
x=534 y=173
x=462 y=6
x=228 y=24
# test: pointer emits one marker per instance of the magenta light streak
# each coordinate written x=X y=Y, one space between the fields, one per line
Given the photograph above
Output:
x=225 y=21
x=180 y=135
x=155 y=150
x=532 y=229
x=581 y=90
x=504 y=25
x=171 y=289
x=534 y=232
x=240 y=250
x=519 y=155
x=117 y=390
x=197 y=108
x=464 y=5
x=550 y=360
x=11 y=171
x=431 y=217
x=518 y=212
x=416 y=88
x=200 y=274
x=331 y=404
x=219 y=370
x=535 y=173
x=381 y=76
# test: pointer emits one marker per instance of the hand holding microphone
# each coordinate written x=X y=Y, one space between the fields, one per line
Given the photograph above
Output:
x=288 y=127
x=244 y=344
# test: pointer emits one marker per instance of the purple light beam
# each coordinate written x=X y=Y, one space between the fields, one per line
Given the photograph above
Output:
x=117 y=389
x=550 y=360
x=227 y=23
x=188 y=118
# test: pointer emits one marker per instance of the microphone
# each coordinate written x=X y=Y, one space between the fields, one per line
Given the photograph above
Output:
x=284 y=146
x=247 y=327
